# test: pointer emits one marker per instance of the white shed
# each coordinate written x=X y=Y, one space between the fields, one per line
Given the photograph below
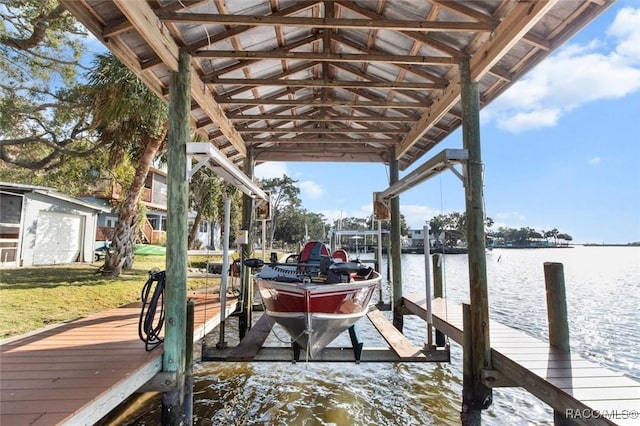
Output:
x=41 y=226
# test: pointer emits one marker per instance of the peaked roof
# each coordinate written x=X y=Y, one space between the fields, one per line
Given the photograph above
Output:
x=332 y=80
x=50 y=192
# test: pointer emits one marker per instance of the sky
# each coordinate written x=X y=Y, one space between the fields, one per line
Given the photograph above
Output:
x=561 y=148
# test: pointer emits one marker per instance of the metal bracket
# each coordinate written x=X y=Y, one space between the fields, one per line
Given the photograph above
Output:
x=192 y=170
x=457 y=173
x=435 y=165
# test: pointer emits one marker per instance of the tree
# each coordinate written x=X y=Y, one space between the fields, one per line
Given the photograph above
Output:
x=453 y=225
x=132 y=121
x=207 y=193
x=552 y=234
x=44 y=114
x=204 y=194
x=565 y=237
x=284 y=195
x=75 y=175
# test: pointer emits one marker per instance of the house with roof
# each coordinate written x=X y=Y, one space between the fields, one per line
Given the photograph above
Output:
x=153 y=230
x=41 y=226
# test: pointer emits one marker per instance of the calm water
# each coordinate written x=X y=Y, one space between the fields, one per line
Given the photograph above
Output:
x=603 y=291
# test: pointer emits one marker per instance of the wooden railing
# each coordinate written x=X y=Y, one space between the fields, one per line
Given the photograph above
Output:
x=147 y=231
x=105 y=233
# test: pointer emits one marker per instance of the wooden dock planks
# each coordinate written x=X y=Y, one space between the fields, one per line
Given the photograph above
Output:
x=77 y=372
x=565 y=381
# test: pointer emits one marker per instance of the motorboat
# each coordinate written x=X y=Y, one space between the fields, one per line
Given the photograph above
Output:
x=318 y=297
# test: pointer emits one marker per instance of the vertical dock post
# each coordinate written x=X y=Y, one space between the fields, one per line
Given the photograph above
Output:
x=556 y=306
x=476 y=241
x=427 y=276
x=173 y=358
x=379 y=258
x=188 y=363
x=470 y=415
x=396 y=250
x=438 y=292
x=224 y=279
x=245 y=319
x=557 y=318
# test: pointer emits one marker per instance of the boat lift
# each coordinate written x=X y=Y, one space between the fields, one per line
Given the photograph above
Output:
x=400 y=349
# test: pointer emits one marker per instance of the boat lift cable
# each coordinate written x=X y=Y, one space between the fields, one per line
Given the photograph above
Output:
x=149 y=326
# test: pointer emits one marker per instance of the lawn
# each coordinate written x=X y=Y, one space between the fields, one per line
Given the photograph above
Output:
x=34 y=297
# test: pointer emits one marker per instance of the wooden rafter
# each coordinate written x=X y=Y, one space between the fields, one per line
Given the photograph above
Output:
x=143 y=17
x=334 y=23
x=321 y=83
x=326 y=57
x=304 y=74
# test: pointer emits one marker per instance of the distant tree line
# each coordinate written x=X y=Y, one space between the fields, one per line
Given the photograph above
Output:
x=450 y=230
x=528 y=237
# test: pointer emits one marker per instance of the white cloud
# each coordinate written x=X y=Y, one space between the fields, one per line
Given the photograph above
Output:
x=523 y=121
x=507 y=216
x=333 y=215
x=576 y=75
x=270 y=170
x=310 y=189
x=416 y=216
x=594 y=161
x=626 y=27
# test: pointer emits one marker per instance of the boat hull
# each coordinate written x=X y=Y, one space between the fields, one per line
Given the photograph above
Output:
x=314 y=314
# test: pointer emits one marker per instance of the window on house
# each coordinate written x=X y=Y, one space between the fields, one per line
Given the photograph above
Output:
x=204 y=227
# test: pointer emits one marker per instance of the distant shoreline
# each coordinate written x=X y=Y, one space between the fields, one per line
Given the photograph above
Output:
x=611 y=245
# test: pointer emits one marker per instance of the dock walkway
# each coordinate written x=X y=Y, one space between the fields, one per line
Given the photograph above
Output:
x=75 y=373
x=570 y=384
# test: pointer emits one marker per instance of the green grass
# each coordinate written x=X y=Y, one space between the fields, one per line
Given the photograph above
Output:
x=33 y=297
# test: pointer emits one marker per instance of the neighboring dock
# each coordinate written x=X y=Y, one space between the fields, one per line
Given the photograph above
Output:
x=77 y=372
x=571 y=385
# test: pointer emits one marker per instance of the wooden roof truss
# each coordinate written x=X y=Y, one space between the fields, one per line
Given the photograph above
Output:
x=332 y=80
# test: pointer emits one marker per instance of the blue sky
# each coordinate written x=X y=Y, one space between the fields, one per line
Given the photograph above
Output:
x=561 y=148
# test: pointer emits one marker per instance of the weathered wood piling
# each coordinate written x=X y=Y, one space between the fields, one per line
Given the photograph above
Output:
x=176 y=263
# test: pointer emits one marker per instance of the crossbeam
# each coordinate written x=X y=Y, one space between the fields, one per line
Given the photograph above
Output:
x=445 y=159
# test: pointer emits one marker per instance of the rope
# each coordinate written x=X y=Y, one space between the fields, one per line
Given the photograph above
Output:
x=148 y=326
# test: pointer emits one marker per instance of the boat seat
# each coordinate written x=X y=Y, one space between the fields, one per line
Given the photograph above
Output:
x=341 y=255
x=312 y=254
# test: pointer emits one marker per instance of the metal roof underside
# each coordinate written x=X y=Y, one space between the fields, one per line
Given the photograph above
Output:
x=332 y=80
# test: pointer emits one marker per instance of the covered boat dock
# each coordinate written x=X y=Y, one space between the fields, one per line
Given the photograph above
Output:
x=332 y=81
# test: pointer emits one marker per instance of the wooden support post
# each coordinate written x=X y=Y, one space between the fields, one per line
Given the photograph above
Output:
x=438 y=292
x=396 y=251
x=244 y=322
x=225 y=275
x=474 y=200
x=188 y=377
x=379 y=259
x=557 y=318
x=428 y=290
x=471 y=414
x=177 y=206
x=556 y=306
